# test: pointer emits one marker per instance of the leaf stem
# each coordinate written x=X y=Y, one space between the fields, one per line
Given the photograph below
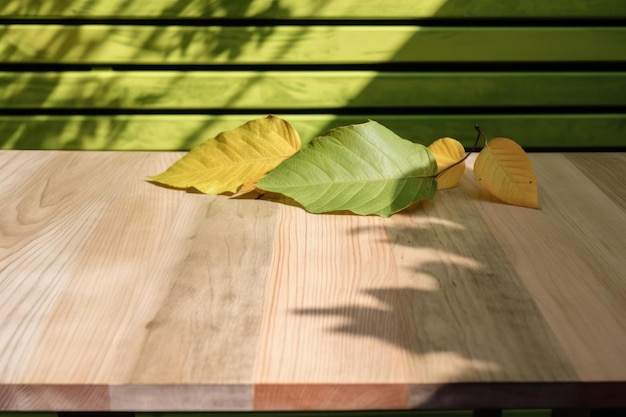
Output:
x=474 y=147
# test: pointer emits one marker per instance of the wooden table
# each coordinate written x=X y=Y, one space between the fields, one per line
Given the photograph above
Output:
x=117 y=294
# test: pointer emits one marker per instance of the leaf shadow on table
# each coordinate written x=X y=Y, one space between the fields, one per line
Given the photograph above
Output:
x=457 y=307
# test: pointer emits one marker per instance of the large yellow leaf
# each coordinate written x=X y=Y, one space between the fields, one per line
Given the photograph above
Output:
x=504 y=169
x=234 y=158
x=448 y=151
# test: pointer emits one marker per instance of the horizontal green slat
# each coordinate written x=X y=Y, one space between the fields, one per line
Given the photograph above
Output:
x=298 y=9
x=305 y=44
x=159 y=132
x=306 y=89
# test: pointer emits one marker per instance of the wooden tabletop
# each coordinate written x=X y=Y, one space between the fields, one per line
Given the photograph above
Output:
x=118 y=294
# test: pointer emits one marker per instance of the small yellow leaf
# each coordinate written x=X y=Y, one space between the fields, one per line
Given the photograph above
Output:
x=504 y=169
x=448 y=151
x=233 y=158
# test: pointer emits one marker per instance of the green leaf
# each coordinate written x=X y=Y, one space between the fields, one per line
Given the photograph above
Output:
x=365 y=168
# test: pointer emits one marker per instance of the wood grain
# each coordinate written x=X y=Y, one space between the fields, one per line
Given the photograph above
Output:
x=166 y=295
x=350 y=397
x=606 y=171
x=43 y=233
x=451 y=270
x=570 y=256
x=307 y=89
x=38 y=397
x=182 y=132
x=312 y=289
x=112 y=329
x=117 y=294
x=181 y=397
x=288 y=9
x=214 y=45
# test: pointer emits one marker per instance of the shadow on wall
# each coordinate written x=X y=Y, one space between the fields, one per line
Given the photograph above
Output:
x=95 y=128
x=102 y=123
x=45 y=113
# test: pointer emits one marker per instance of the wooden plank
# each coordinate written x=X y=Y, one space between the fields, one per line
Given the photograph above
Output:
x=118 y=291
x=574 y=283
x=320 y=396
x=181 y=132
x=119 y=44
x=381 y=413
x=400 y=290
x=84 y=285
x=605 y=170
x=184 y=397
x=296 y=9
x=43 y=398
x=307 y=89
x=131 y=349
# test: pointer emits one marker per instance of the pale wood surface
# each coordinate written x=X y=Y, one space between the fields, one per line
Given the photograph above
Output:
x=308 y=44
x=118 y=294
